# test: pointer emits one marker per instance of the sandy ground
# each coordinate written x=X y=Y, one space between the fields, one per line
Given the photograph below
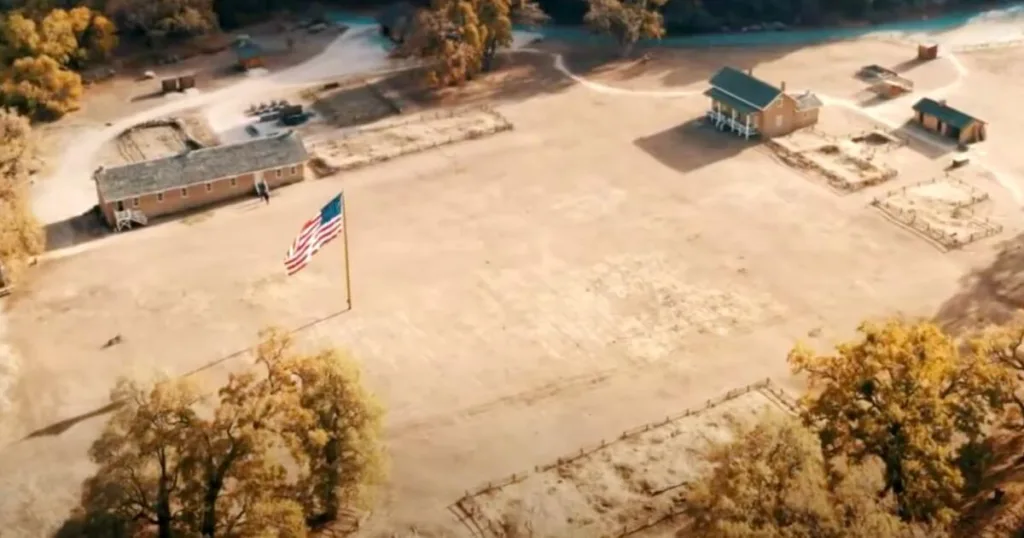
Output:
x=627 y=482
x=514 y=297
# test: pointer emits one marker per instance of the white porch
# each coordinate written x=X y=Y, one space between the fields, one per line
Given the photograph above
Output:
x=731 y=120
x=125 y=219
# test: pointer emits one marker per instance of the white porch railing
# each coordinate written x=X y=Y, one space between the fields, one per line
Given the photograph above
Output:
x=123 y=220
x=741 y=125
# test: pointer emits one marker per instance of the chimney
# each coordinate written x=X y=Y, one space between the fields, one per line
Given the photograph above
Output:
x=783 y=86
x=750 y=71
x=942 y=102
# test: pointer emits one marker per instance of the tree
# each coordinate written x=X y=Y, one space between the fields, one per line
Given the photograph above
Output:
x=330 y=422
x=460 y=38
x=1005 y=346
x=21 y=236
x=19 y=37
x=280 y=450
x=905 y=394
x=40 y=88
x=628 y=21
x=171 y=18
x=144 y=456
x=236 y=483
x=769 y=480
x=57 y=37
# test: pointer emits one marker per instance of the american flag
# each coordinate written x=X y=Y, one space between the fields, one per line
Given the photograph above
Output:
x=317 y=232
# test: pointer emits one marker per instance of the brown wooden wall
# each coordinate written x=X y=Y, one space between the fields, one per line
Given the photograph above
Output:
x=195 y=196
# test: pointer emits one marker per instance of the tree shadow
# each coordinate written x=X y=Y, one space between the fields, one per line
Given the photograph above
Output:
x=992 y=294
x=693 y=145
x=76 y=230
x=992 y=500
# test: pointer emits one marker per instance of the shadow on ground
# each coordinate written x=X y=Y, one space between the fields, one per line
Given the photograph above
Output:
x=693 y=145
x=1000 y=468
x=925 y=142
x=76 y=230
x=992 y=294
x=672 y=67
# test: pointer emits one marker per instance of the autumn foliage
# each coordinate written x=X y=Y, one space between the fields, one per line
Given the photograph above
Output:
x=460 y=38
x=284 y=447
x=627 y=21
x=21 y=236
x=38 y=57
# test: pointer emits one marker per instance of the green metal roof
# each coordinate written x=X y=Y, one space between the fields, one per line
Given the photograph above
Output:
x=247 y=50
x=946 y=114
x=730 y=101
x=754 y=92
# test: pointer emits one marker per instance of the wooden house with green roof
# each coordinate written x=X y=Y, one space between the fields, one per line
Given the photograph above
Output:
x=938 y=117
x=750 y=107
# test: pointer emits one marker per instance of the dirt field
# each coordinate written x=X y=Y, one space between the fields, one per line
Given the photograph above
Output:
x=514 y=297
x=409 y=134
x=624 y=485
x=947 y=210
x=159 y=138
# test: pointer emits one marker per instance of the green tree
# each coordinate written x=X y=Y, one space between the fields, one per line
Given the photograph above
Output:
x=628 y=21
x=903 y=393
x=769 y=480
x=171 y=18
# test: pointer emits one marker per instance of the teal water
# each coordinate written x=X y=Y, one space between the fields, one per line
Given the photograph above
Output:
x=576 y=34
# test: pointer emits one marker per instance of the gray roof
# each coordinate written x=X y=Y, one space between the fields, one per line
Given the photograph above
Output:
x=199 y=166
x=807 y=101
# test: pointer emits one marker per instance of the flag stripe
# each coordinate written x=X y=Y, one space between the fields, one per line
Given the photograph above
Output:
x=315 y=233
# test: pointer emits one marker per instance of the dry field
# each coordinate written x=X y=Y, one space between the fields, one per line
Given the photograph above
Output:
x=948 y=211
x=514 y=297
x=159 y=138
x=353 y=103
x=626 y=485
x=387 y=140
x=845 y=164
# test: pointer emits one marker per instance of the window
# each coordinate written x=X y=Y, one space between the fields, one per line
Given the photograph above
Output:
x=278 y=172
x=294 y=168
x=184 y=192
x=135 y=202
x=209 y=187
x=234 y=182
x=159 y=197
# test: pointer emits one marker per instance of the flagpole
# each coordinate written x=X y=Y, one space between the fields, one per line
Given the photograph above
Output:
x=344 y=231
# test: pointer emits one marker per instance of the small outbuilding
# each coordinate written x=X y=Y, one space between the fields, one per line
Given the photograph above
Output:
x=927 y=51
x=250 y=55
x=137 y=192
x=938 y=117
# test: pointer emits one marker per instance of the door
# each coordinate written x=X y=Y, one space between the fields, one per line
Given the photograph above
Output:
x=120 y=205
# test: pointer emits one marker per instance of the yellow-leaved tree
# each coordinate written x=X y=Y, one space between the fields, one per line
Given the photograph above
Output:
x=330 y=422
x=460 y=38
x=41 y=88
x=768 y=479
x=285 y=446
x=21 y=236
x=628 y=21
x=903 y=393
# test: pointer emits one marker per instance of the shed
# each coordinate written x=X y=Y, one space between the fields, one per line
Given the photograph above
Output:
x=169 y=85
x=938 y=117
x=186 y=82
x=927 y=51
x=249 y=54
